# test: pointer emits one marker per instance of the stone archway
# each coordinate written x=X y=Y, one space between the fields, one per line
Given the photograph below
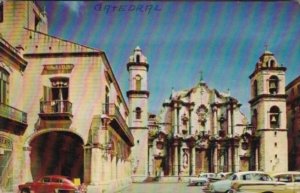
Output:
x=57 y=153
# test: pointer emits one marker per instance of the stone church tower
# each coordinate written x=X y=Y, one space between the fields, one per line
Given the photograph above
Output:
x=268 y=110
x=138 y=95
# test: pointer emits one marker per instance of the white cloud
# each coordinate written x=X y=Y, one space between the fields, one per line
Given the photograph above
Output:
x=74 y=6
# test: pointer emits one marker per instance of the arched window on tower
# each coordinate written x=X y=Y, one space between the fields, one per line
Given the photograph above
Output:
x=272 y=63
x=255 y=88
x=138 y=113
x=254 y=118
x=274 y=117
x=137 y=58
x=138 y=82
x=273 y=84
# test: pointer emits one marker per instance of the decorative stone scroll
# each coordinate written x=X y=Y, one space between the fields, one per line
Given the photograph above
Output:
x=5 y=143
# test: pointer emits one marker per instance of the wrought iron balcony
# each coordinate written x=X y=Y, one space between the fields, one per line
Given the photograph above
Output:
x=12 y=120
x=56 y=110
x=118 y=120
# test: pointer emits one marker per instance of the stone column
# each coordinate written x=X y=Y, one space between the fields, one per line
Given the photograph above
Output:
x=175 y=160
x=150 y=157
x=179 y=159
x=222 y=158
x=215 y=121
x=194 y=161
x=232 y=120
x=236 y=158
x=27 y=177
x=171 y=161
x=95 y=165
x=229 y=162
x=177 y=119
x=216 y=166
x=190 y=120
x=174 y=111
x=229 y=121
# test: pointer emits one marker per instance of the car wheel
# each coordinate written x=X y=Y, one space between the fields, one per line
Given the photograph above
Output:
x=211 y=189
x=230 y=191
x=25 y=191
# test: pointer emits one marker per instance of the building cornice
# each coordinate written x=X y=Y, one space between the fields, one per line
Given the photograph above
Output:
x=132 y=128
x=280 y=130
x=268 y=69
x=144 y=64
x=138 y=92
x=62 y=54
x=12 y=53
x=293 y=83
x=180 y=102
x=267 y=96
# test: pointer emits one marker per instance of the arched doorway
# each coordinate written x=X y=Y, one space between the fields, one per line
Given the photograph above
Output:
x=57 y=153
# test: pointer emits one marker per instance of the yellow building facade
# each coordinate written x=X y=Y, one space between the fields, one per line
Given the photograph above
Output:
x=61 y=107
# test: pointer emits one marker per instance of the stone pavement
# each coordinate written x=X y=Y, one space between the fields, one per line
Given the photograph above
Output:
x=162 y=188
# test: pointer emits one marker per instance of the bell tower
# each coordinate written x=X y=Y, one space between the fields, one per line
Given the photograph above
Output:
x=138 y=95
x=268 y=114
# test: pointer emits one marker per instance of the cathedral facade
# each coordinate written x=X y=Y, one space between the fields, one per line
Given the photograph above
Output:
x=199 y=130
x=203 y=130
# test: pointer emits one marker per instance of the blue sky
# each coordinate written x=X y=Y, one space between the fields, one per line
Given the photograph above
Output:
x=224 y=39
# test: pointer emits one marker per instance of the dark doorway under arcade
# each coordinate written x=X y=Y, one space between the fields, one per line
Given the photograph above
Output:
x=57 y=153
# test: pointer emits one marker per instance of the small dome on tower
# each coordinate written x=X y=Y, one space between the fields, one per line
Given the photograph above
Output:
x=267 y=60
x=138 y=56
x=138 y=48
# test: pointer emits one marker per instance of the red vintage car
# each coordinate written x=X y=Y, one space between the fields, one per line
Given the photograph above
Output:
x=50 y=184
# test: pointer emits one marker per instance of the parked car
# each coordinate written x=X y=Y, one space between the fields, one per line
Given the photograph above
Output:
x=224 y=186
x=50 y=184
x=259 y=187
x=220 y=176
x=291 y=178
x=202 y=179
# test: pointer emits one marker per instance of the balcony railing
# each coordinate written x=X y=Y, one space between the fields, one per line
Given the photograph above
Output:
x=56 y=108
x=113 y=112
x=12 y=113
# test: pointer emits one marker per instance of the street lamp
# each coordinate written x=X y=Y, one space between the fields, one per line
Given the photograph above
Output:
x=245 y=143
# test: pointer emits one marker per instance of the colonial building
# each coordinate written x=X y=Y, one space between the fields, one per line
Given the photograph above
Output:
x=13 y=116
x=197 y=130
x=293 y=123
x=268 y=115
x=62 y=111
